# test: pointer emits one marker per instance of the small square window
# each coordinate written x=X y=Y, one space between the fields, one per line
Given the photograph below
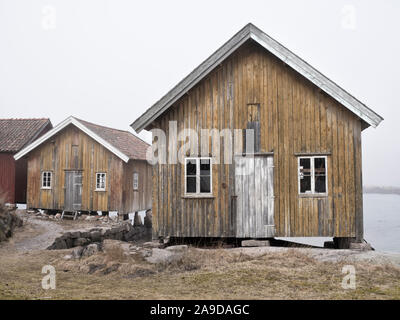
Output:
x=312 y=175
x=198 y=175
x=100 y=181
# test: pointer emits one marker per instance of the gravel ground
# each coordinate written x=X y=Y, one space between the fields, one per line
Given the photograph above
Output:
x=35 y=234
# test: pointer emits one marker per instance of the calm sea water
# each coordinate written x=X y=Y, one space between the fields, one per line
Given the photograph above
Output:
x=381 y=223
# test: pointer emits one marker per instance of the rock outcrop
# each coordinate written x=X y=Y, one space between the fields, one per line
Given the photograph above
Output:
x=9 y=220
x=123 y=232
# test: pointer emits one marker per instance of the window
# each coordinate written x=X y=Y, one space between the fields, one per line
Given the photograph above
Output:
x=100 y=181
x=198 y=175
x=312 y=175
x=46 y=179
x=135 y=181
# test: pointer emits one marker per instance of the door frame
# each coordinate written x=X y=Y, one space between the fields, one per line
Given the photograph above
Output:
x=243 y=227
x=65 y=189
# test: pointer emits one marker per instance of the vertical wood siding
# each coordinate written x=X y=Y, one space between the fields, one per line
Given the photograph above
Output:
x=137 y=200
x=71 y=149
x=7 y=177
x=296 y=117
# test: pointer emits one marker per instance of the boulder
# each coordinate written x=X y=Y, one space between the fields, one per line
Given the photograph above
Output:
x=59 y=244
x=85 y=234
x=162 y=256
x=75 y=235
x=77 y=252
x=66 y=235
x=9 y=220
x=112 y=244
x=69 y=242
x=152 y=244
x=90 y=250
x=81 y=242
x=95 y=236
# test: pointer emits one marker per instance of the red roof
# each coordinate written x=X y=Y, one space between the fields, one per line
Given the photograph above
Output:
x=124 y=141
x=17 y=133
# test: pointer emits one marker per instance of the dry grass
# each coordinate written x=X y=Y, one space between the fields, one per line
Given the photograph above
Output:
x=200 y=274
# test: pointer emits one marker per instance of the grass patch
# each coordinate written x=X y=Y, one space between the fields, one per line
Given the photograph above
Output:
x=200 y=274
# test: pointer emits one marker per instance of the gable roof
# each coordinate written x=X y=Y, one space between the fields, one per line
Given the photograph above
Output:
x=16 y=133
x=252 y=32
x=129 y=144
x=123 y=144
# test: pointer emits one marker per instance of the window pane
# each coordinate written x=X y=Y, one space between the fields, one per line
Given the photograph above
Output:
x=100 y=181
x=319 y=166
x=46 y=180
x=205 y=167
x=205 y=184
x=191 y=167
x=320 y=185
x=305 y=184
x=191 y=184
x=306 y=164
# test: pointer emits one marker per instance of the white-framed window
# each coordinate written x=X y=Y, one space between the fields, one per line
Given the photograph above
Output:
x=313 y=175
x=198 y=176
x=135 y=181
x=101 y=181
x=47 y=179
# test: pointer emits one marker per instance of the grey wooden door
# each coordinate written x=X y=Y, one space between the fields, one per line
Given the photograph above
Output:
x=73 y=190
x=254 y=189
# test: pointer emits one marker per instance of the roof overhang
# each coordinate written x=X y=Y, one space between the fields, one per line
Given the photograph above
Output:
x=79 y=125
x=252 y=32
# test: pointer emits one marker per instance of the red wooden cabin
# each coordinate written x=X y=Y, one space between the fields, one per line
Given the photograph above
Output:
x=14 y=135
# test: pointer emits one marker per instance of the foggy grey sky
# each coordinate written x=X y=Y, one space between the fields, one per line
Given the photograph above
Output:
x=108 y=61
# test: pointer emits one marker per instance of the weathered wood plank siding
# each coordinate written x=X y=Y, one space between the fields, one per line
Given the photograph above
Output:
x=71 y=149
x=295 y=117
x=140 y=199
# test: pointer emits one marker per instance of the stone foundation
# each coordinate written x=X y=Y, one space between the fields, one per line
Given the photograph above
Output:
x=123 y=232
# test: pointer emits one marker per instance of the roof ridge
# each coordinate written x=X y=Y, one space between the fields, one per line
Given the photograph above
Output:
x=251 y=33
x=123 y=144
x=99 y=125
x=124 y=131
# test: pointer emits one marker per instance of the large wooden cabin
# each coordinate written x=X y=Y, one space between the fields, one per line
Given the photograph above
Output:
x=81 y=166
x=304 y=177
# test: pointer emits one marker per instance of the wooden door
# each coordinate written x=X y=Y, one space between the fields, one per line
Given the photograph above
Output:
x=73 y=190
x=254 y=196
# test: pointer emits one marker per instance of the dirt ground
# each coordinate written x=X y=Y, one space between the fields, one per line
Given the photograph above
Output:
x=219 y=273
